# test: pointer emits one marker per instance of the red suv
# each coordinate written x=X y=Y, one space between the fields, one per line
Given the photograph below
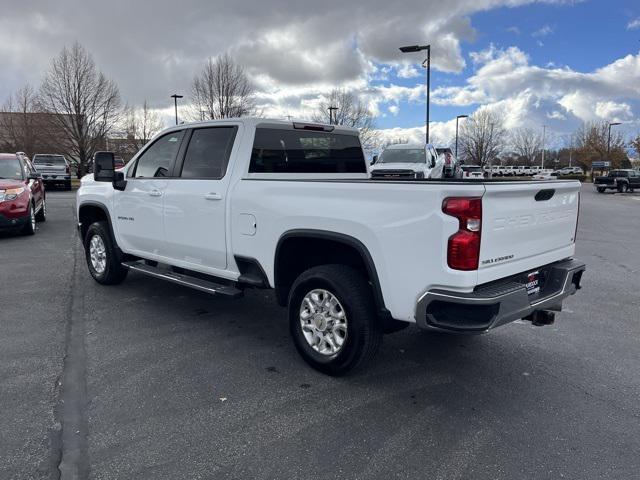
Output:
x=22 y=197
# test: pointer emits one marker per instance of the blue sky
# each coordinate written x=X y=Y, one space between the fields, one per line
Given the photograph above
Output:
x=583 y=36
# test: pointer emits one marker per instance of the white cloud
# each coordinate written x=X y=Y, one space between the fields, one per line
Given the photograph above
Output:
x=154 y=52
x=633 y=24
x=514 y=30
x=613 y=111
x=532 y=95
x=408 y=71
x=543 y=31
x=394 y=110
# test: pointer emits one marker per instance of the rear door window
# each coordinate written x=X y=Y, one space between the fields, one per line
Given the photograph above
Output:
x=208 y=152
x=303 y=151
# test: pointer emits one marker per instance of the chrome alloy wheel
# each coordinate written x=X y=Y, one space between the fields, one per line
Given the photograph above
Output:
x=323 y=322
x=98 y=254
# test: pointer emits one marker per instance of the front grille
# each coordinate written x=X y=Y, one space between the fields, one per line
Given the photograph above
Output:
x=393 y=174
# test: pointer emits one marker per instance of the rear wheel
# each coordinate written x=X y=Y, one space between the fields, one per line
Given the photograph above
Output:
x=67 y=185
x=30 y=227
x=102 y=257
x=332 y=319
x=623 y=187
x=600 y=190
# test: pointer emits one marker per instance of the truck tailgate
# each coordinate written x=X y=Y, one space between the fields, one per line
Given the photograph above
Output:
x=526 y=225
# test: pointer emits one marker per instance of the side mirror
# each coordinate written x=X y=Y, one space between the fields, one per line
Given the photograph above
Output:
x=374 y=160
x=119 y=182
x=104 y=167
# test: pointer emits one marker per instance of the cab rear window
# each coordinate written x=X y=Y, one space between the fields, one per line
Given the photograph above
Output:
x=293 y=151
x=51 y=159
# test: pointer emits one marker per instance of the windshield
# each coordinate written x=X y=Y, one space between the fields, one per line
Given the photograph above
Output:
x=403 y=156
x=52 y=159
x=11 y=169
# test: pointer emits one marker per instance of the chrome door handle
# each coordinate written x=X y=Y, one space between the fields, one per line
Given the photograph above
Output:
x=213 y=196
x=155 y=193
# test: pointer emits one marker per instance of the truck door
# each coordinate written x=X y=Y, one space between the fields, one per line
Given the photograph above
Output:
x=138 y=209
x=195 y=202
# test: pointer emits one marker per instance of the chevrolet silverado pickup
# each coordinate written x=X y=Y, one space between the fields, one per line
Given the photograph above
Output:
x=621 y=180
x=223 y=206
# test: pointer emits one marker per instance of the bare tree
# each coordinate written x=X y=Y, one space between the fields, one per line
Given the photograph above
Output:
x=483 y=137
x=635 y=144
x=592 y=142
x=221 y=90
x=527 y=144
x=142 y=125
x=84 y=102
x=18 y=122
x=348 y=110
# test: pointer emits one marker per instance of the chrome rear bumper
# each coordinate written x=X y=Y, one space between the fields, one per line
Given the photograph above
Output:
x=495 y=304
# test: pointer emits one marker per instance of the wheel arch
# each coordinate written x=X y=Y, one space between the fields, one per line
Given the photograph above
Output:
x=90 y=212
x=294 y=241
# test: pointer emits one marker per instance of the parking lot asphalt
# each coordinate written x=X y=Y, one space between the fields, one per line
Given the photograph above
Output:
x=152 y=380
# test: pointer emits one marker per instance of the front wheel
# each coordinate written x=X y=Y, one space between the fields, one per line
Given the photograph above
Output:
x=102 y=258
x=623 y=187
x=332 y=319
x=30 y=226
x=41 y=216
x=600 y=190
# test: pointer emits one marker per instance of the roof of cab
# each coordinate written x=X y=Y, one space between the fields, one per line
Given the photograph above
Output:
x=264 y=122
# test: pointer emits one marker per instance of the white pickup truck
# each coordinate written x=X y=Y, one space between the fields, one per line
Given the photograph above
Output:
x=408 y=161
x=222 y=206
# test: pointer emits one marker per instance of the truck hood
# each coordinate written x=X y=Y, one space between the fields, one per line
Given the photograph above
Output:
x=416 y=167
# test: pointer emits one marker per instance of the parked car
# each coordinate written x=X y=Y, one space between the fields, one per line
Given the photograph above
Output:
x=226 y=205
x=544 y=176
x=472 y=171
x=119 y=163
x=570 y=171
x=493 y=171
x=406 y=161
x=22 y=195
x=620 y=180
x=55 y=169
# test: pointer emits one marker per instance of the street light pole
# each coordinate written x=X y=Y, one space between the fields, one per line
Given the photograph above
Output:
x=609 y=139
x=458 y=118
x=544 y=130
x=175 y=97
x=426 y=64
x=331 y=114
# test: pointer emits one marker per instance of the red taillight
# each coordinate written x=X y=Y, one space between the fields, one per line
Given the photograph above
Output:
x=463 y=250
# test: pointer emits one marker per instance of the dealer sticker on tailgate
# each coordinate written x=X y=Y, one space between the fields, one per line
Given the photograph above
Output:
x=533 y=282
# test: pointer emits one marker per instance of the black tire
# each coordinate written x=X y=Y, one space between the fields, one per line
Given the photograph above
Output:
x=623 y=187
x=364 y=332
x=113 y=272
x=41 y=216
x=67 y=185
x=30 y=226
x=600 y=190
